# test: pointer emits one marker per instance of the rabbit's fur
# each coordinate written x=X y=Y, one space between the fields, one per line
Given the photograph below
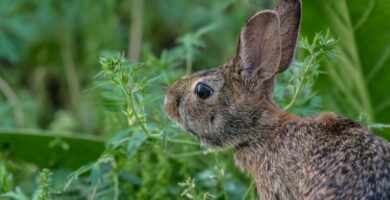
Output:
x=290 y=157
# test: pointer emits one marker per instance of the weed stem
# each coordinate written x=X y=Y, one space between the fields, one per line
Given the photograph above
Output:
x=130 y=102
x=301 y=84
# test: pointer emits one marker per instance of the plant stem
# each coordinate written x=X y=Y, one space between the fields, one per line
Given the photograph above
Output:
x=188 y=63
x=6 y=89
x=136 y=30
x=301 y=84
x=379 y=126
x=153 y=136
x=130 y=103
x=73 y=80
x=70 y=70
x=341 y=20
x=93 y=195
x=116 y=187
x=248 y=190
x=182 y=141
x=194 y=153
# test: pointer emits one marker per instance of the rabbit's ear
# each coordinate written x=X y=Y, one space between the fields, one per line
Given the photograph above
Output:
x=289 y=12
x=259 y=49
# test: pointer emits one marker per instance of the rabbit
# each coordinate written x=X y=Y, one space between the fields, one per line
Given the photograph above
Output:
x=289 y=156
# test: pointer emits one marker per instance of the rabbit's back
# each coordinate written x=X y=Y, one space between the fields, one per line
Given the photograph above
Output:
x=345 y=161
x=326 y=157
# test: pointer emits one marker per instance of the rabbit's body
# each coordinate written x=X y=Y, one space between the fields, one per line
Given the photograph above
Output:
x=326 y=157
x=290 y=157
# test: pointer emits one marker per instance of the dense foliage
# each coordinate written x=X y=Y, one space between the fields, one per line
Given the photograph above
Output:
x=82 y=86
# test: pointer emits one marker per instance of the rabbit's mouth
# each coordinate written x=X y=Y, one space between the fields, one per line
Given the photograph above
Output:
x=193 y=133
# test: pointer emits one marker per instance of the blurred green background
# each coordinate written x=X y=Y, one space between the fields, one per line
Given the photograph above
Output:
x=52 y=114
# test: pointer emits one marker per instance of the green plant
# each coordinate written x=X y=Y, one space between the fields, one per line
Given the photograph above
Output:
x=54 y=115
x=127 y=89
x=44 y=180
x=145 y=140
x=6 y=179
x=42 y=193
x=190 y=192
x=295 y=90
x=359 y=77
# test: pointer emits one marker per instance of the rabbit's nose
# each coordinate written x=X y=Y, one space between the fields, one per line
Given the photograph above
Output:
x=171 y=104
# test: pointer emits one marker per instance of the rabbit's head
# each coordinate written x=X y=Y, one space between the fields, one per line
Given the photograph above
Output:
x=232 y=104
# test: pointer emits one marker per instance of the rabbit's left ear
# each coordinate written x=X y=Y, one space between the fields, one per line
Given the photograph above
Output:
x=259 y=48
x=289 y=12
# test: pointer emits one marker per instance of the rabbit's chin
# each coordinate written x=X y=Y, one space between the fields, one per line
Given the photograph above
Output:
x=206 y=141
x=194 y=134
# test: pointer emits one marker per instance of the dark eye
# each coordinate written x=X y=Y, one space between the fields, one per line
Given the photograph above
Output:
x=203 y=91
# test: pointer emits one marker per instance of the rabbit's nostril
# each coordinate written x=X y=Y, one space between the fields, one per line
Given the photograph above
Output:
x=179 y=99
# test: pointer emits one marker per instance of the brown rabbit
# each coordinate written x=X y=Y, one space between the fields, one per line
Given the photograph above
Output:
x=290 y=157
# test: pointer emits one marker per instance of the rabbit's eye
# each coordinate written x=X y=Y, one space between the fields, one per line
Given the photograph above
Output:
x=203 y=91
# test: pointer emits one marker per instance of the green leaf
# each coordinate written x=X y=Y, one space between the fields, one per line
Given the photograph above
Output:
x=135 y=143
x=50 y=149
x=96 y=174
x=16 y=195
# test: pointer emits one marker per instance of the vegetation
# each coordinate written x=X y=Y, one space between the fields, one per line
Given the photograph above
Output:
x=74 y=126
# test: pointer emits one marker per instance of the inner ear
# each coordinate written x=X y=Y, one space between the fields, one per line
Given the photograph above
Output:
x=259 y=48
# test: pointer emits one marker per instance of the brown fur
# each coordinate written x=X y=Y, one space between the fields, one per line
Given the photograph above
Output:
x=290 y=157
